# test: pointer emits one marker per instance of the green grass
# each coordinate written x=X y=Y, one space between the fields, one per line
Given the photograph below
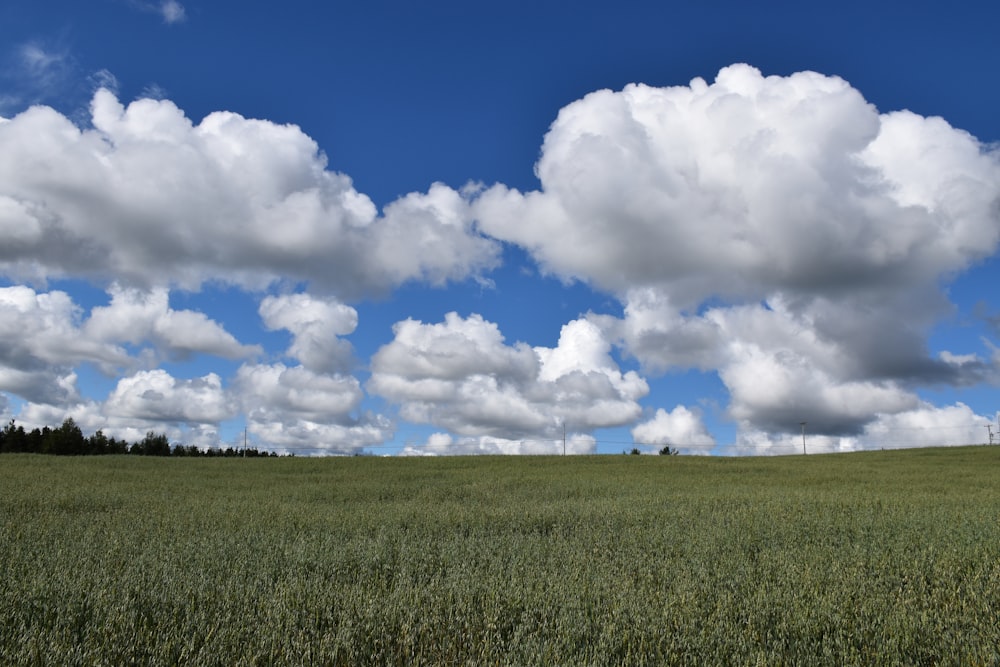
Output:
x=881 y=558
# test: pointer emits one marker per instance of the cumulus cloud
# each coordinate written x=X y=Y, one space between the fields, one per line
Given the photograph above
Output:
x=137 y=316
x=186 y=411
x=924 y=425
x=778 y=230
x=460 y=375
x=44 y=336
x=92 y=416
x=147 y=198
x=157 y=396
x=302 y=411
x=836 y=364
x=444 y=444
x=40 y=343
x=748 y=185
x=681 y=429
x=315 y=324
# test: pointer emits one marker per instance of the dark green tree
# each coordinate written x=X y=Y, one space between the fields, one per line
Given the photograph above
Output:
x=13 y=438
x=40 y=440
x=98 y=444
x=154 y=444
x=67 y=440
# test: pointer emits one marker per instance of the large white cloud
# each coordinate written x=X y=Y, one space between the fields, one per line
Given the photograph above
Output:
x=157 y=396
x=681 y=429
x=41 y=342
x=187 y=411
x=924 y=425
x=296 y=409
x=748 y=185
x=45 y=336
x=146 y=197
x=92 y=416
x=778 y=230
x=139 y=316
x=836 y=364
x=316 y=324
x=460 y=375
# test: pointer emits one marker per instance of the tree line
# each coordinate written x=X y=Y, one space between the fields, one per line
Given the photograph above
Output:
x=68 y=440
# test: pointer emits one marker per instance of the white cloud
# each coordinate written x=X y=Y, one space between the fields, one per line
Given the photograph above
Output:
x=461 y=376
x=33 y=72
x=453 y=349
x=781 y=369
x=443 y=444
x=45 y=336
x=429 y=236
x=681 y=429
x=93 y=416
x=749 y=185
x=172 y=11
x=315 y=324
x=48 y=385
x=156 y=396
x=41 y=341
x=17 y=226
x=136 y=316
x=149 y=198
x=927 y=426
x=835 y=364
x=88 y=415
x=779 y=231
x=296 y=409
x=276 y=388
x=696 y=204
x=924 y=425
x=45 y=327
x=41 y=63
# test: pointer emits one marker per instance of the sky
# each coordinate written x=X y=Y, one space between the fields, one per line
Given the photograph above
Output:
x=443 y=228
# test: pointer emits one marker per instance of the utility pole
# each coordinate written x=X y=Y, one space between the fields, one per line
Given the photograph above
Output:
x=564 y=437
x=803 y=425
x=989 y=427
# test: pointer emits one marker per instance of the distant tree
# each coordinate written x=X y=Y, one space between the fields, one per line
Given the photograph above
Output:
x=189 y=450
x=667 y=451
x=635 y=451
x=13 y=438
x=39 y=439
x=117 y=446
x=98 y=443
x=66 y=440
x=154 y=444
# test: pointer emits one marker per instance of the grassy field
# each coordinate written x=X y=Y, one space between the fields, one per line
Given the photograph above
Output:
x=881 y=558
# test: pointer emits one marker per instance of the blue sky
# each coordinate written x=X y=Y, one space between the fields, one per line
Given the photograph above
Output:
x=464 y=228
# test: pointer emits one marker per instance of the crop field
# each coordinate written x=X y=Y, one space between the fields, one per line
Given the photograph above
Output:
x=880 y=558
